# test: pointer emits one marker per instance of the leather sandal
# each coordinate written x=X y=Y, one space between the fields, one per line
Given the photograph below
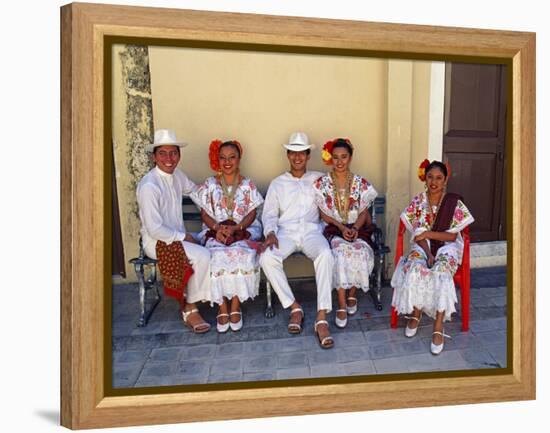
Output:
x=222 y=327
x=327 y=342
x=237 y=325
x=199 y=328
x=341 y=323
x=353 y=309
x=296 y=328
x=411 y=332
x=436 y=349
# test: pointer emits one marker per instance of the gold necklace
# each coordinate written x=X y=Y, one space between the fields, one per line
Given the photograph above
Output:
x=229 y=195
x=433 y=213
x=342 y=203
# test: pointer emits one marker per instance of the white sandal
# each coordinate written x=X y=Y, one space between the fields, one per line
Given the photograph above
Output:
x=236 y=326
x=326 y=339
x=199 y=328
x=341 y=323
x=222 y=328
x=296 y=328
x=436 y=349
x=353 y=309
x=411 y=332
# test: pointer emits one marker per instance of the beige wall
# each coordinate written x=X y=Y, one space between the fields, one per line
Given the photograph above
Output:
x=260 y=98
x=382 y=105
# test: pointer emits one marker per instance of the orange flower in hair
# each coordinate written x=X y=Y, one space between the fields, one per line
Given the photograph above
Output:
x=422 y=170
x=214 y=154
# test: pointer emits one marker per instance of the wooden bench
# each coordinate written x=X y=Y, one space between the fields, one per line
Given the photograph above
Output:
x=297 y=267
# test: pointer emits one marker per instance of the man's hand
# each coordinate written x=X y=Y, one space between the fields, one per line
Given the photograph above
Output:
x=270 y=241
x=189 y=238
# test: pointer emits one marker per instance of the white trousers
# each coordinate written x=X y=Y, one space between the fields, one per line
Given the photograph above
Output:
x=198 y=287
x=314 y=246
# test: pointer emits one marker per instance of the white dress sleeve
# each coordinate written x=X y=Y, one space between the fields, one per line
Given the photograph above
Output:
x=202 y=197
x=414 y=217
x=462 y=218
x=367 y=196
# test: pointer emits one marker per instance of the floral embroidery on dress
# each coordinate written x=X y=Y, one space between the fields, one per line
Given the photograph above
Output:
x=362 y=195
x=234 y=269
x=209 y=197
x=353 y=261
x=416 y=285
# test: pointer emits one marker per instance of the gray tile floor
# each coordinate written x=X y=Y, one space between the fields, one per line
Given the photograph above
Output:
x=165 y=352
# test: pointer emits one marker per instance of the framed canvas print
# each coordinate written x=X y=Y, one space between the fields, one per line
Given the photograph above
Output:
x=399 y=94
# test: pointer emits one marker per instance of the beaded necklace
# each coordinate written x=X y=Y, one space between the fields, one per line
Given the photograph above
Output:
x=229 y=195
x=342 y=200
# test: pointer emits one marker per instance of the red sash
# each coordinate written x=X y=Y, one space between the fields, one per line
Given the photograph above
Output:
x=174 y=268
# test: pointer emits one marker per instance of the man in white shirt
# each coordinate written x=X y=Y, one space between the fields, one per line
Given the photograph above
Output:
x=291 y=223
x=159 y=195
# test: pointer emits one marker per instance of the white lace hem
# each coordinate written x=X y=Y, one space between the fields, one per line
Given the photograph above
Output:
x=353 y=263
x=427 y=290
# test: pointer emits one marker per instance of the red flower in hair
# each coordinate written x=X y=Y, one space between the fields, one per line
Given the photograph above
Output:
x=326 y=153
x=214 y=154
x=448 y=169
x=422 y=170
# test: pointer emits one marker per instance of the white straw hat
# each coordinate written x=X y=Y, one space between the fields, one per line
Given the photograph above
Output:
x=298 y=142
x=164 y=137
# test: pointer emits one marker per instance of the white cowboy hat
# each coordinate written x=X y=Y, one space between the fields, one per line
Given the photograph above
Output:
x=298 y=142
x=164 y=137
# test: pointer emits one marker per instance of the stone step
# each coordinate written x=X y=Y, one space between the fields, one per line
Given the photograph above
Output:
x=484 y=254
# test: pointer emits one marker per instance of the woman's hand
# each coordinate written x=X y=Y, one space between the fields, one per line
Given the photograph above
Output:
x=349 y=234
x=422 y=236
x=221 y=236
x=227 y=229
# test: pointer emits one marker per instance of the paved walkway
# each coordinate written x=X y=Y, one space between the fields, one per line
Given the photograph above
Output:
x=165 y=352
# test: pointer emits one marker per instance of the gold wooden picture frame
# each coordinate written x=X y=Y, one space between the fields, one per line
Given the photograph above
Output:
x=85 y=217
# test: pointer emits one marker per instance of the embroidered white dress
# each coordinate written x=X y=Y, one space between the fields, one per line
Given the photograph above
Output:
x=234 y=269
x=353 y=261
x=416 y=285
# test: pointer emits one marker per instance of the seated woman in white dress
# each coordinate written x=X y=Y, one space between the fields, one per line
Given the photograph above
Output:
x=423 y=280
x=344 y=199
x=228 y=203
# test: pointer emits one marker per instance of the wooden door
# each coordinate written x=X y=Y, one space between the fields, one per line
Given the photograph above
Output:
x=474 y=138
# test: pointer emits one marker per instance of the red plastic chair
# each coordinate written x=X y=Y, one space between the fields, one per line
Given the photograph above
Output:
x=462 y=276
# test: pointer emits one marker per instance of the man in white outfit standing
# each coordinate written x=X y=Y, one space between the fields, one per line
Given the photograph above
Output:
x=291 y=223
x=159 y=195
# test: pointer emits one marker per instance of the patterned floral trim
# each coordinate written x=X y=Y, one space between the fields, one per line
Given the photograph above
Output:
x=209 y=197
x=416 y=216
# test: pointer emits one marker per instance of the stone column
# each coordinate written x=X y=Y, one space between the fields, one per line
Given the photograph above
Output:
x=132 y=129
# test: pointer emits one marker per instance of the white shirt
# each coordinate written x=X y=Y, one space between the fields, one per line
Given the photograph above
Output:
x=159 y=197
x=289 y=206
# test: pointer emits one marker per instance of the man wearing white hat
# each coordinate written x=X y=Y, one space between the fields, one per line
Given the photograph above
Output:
x=159 y=195
x=291 y=223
